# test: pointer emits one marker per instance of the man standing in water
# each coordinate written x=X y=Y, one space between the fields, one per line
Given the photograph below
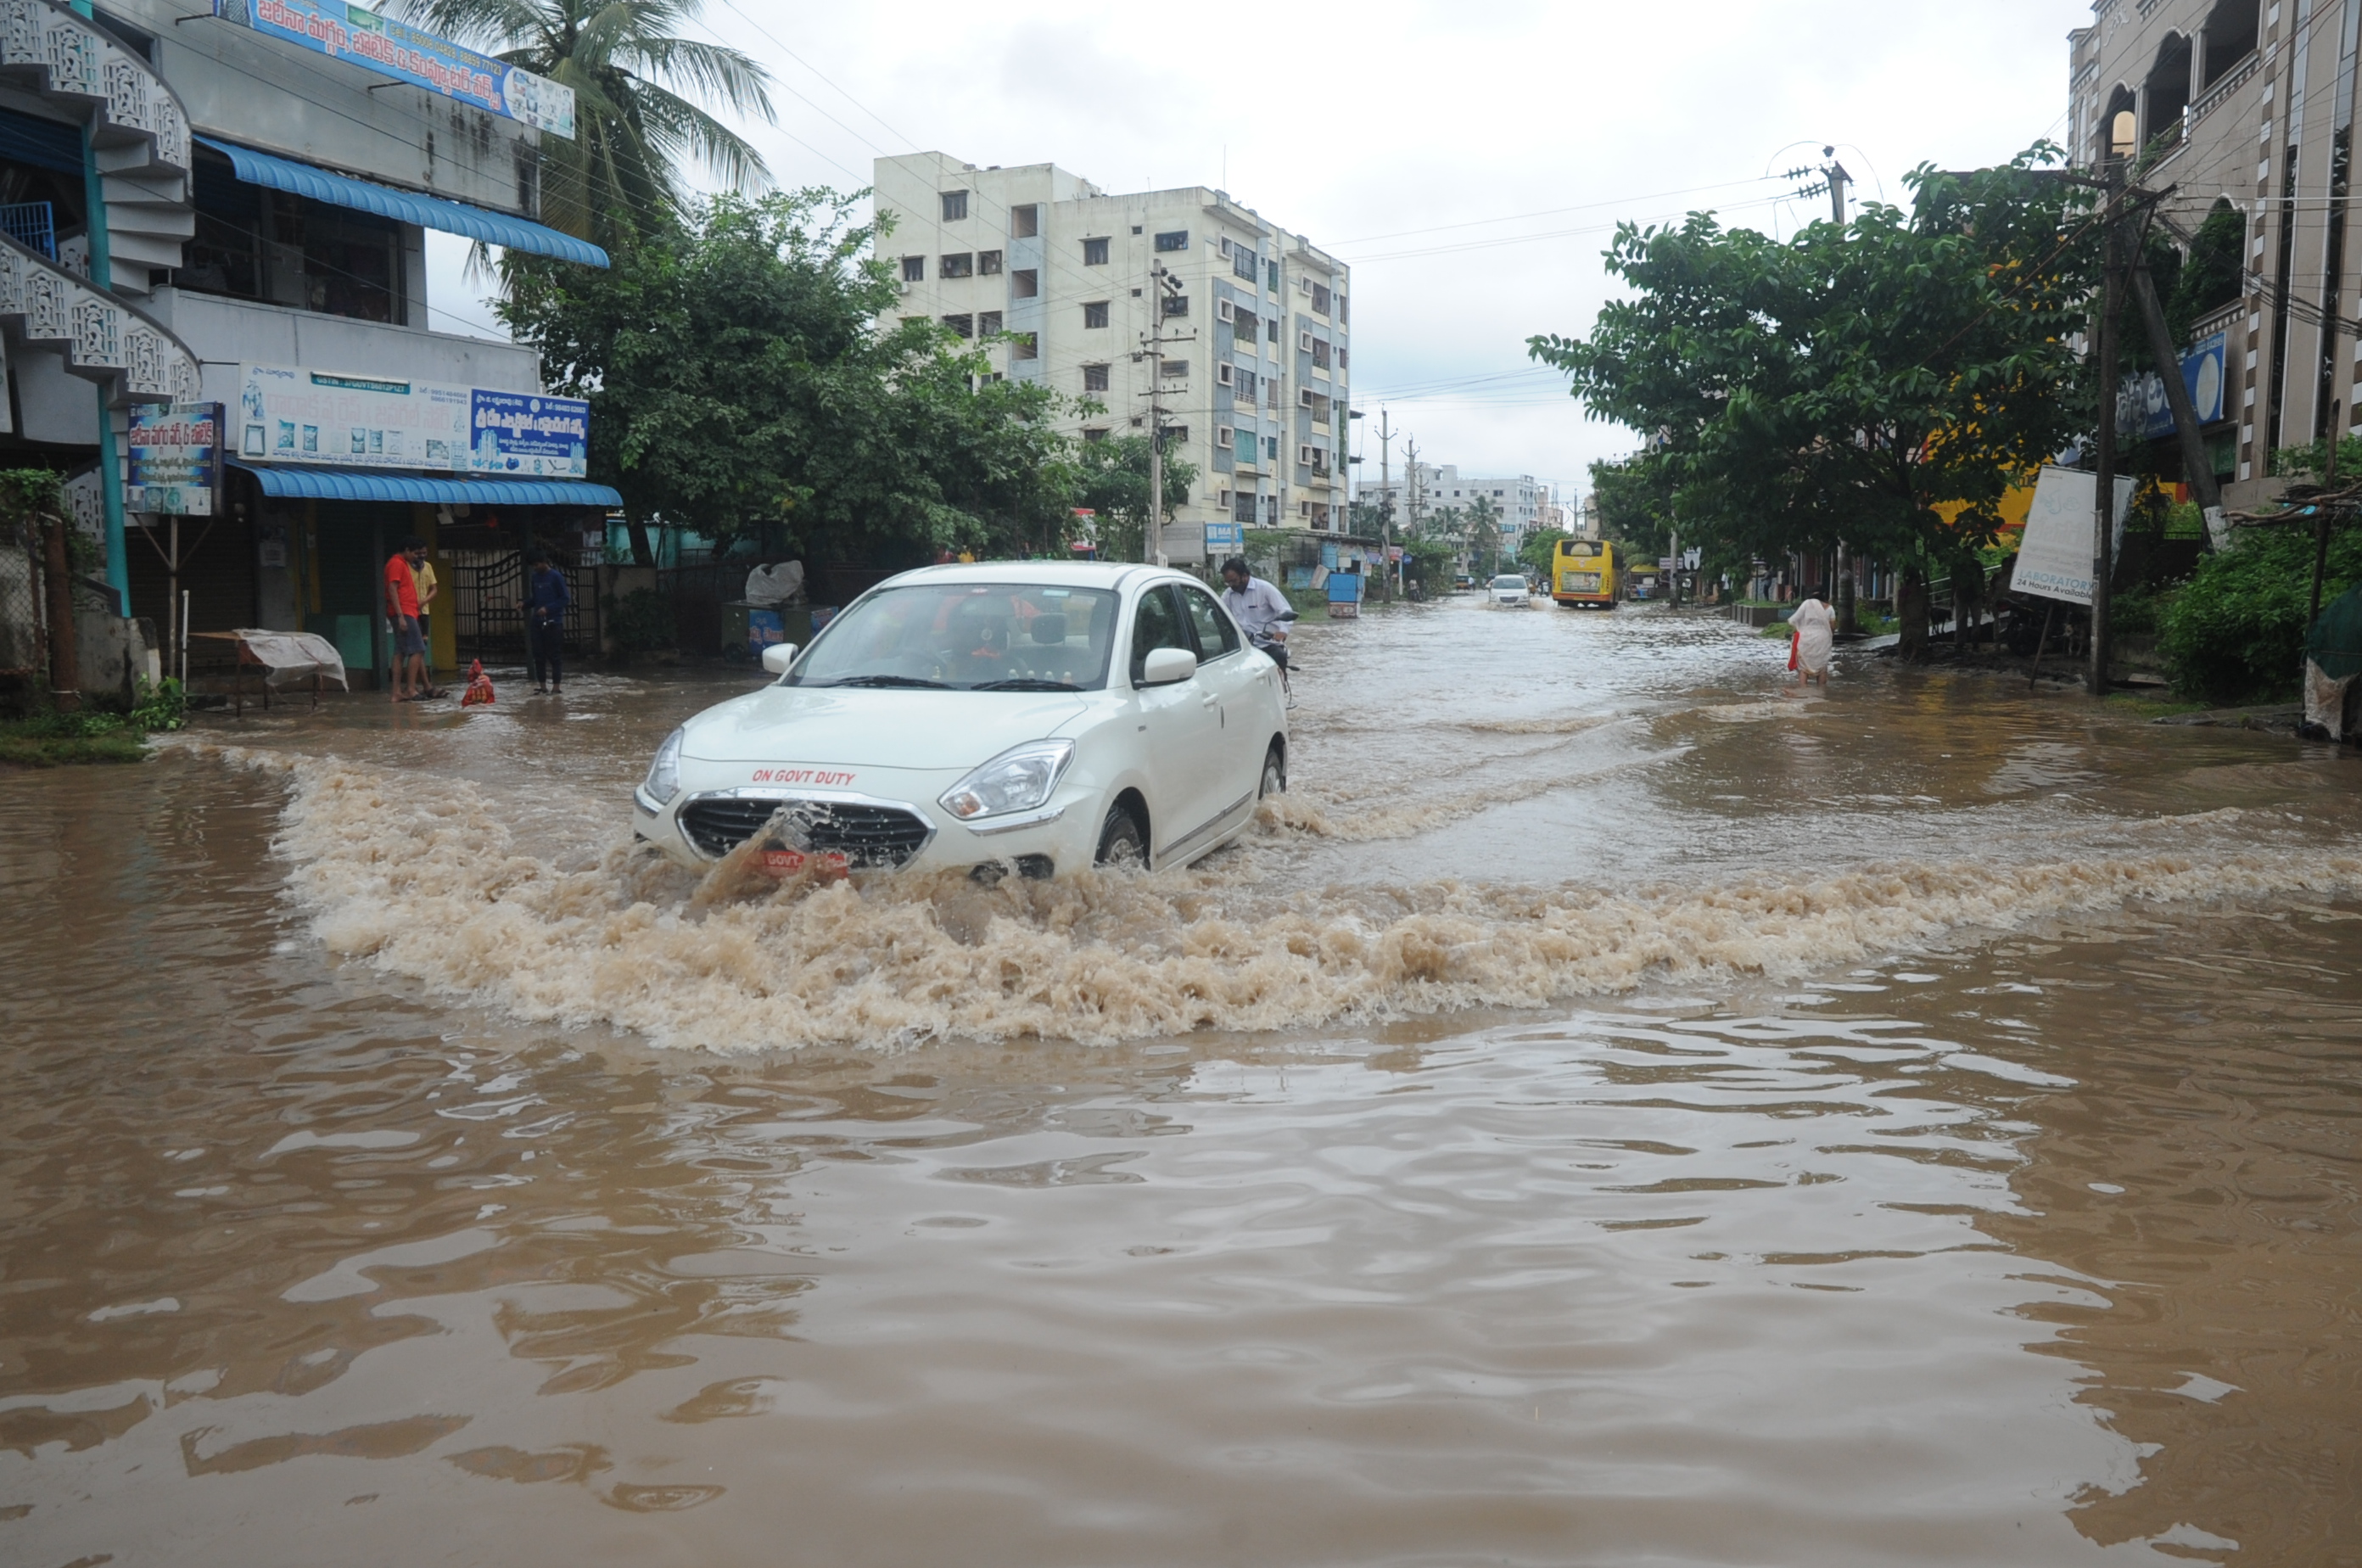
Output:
x=1816 y=636
x=402 y=618
x=546 y=601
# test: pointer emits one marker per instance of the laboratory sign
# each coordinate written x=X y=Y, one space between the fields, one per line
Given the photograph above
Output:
x=290 y=414
x=360 y=37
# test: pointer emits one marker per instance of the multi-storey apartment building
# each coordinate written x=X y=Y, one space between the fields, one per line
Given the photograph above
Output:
x=1253 y=373
x=1521 y=499
x=2244 y=107
x=221 y=205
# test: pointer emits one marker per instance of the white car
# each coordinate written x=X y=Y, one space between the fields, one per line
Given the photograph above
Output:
x=1040 y=716
x=1510 y=588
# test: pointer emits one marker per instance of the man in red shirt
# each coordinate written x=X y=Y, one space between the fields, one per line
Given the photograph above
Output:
x=401 y=612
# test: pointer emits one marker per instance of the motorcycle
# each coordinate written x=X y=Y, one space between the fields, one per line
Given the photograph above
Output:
x=1277 y=652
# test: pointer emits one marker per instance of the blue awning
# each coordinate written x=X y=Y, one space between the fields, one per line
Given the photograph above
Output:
x=370 y=484
x=427 y=212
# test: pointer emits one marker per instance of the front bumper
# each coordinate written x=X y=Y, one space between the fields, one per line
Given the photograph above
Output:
x=1061 y=837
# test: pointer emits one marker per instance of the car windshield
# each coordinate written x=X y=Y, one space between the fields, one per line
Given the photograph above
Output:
x=968 y=637
x=1508 y=582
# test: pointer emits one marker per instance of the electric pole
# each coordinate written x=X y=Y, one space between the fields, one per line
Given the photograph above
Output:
x=1387 y=483
x=1163 y=285
x=1839 y=180
x=2103 y=506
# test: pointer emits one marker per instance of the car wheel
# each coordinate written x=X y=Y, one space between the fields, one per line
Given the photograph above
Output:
x=1119 y=842
x=1275 y=774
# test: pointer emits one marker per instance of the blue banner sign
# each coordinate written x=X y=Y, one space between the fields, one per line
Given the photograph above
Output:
x=1225 y=536
x=175 y=458
x=523 y=433
x=359 y=35
x=2202 y=372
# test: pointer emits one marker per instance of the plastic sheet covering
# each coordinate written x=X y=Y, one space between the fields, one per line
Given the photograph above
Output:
x=289 y=653
x=777 y=584
x=2336 y=641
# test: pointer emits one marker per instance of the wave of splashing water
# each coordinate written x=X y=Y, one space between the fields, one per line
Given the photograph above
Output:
x=422 y=877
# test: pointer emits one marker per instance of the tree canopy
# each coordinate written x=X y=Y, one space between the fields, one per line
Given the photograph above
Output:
x=738 y=373
x=1843 y=384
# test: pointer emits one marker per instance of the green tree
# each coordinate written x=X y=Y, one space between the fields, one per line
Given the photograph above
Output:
x=1539 y=551
x=638 y=85
x=1111 y=479
x=1841 y=385
x=1484 y=524
x=737 y=373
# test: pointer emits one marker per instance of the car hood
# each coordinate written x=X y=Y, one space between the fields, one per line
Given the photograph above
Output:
x=874 y=728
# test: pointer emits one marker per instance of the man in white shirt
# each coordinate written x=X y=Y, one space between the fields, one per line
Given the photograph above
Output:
x=1257 y=607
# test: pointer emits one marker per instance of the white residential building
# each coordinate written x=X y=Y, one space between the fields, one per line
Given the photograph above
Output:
x=1521 y=500
x=1255 y=395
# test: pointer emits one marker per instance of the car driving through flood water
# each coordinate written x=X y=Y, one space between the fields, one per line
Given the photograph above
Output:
x=1040 y=716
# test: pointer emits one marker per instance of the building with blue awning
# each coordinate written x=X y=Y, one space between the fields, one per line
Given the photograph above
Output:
x=249 y=206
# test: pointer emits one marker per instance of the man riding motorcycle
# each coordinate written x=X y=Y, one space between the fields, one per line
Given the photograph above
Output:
x=1262 y=610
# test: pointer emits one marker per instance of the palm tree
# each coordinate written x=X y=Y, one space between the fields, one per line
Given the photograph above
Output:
x=632 y=125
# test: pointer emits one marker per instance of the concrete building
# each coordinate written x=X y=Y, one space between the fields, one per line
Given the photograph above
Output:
x=1256 y=393
x=2244 y=107
x=244 y=234
x=1428 y=488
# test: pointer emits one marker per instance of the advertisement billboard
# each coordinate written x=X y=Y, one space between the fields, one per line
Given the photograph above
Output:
x=175 y=458
x=2202 y=374
x=289 y=414
x=360 y=37
x=2055 y=561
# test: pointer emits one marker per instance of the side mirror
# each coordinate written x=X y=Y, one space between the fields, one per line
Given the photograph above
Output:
x=778 y=656
x=1165 y=666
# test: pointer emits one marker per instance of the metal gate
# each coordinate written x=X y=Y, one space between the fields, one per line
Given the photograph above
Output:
x=488 y=605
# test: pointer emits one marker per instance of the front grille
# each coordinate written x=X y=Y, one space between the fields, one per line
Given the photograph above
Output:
x=865 y=835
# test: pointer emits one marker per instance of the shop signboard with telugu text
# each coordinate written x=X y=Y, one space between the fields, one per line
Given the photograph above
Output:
x=290 y=413
x=175 y=452
x=359 y=35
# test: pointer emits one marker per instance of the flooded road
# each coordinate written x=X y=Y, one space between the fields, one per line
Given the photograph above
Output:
x=1612 y=1113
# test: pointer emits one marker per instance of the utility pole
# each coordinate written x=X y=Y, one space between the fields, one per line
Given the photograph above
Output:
x=2103 y=508
x=2196 y=466
x=1835 y=172
x=1162 y=285
x=1387 y=483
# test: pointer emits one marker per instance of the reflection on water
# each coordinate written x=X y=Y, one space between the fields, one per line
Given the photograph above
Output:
x=2028 y=1247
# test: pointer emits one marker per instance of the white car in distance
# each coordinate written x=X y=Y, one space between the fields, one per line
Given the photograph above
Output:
x=1039 y=716
x=1509 y=589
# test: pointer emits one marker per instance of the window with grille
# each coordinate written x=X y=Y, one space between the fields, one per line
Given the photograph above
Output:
x=1176 y=304
x=958 y=265
x=988 y=263
x=955 y=205
x=914 y=269
x=1173 y=240
x=1095 y=252
x=987 y=323
x=964 y=325
x=1095 y=313
x=1174 y=369
x=1094 y=378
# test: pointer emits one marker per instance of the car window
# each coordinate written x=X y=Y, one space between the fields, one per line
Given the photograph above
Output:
x=1216 y=634
x=1156 y=625
x=966 y=635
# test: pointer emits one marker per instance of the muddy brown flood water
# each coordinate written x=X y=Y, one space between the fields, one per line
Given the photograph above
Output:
x=1612 y=1114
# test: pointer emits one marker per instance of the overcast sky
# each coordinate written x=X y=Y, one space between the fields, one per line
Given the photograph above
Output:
x=1469 y=160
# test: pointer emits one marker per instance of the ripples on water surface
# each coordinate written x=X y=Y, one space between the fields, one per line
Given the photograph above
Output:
x=1986 y=1194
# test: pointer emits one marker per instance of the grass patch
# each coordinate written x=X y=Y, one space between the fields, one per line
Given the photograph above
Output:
x=43 y=743
x=2130 y=706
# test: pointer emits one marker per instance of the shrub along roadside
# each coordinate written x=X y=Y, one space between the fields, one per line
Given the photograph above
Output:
x=52 y=740
x=2235 y=631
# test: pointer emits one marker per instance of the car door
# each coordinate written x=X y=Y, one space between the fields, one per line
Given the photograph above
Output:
x=1182 y=724
x=1238 y=686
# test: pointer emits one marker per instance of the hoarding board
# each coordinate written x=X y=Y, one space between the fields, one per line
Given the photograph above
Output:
x=175 y=458
x=289 y=414
x=2055 y=561
x=2202 y=374
x=1225 y=536
x=359 y=35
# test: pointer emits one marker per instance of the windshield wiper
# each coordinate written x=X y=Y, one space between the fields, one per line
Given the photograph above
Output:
x=1026 y=683
x=884 y=681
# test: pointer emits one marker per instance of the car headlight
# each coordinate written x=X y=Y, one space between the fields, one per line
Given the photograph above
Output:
x=1018 y=780
x=664 y=774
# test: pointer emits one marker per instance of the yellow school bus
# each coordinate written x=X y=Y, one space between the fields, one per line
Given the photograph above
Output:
x=1583 y=574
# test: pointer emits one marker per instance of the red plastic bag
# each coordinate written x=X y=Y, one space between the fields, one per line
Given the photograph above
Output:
x=1795 y=641
x=480 y=686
